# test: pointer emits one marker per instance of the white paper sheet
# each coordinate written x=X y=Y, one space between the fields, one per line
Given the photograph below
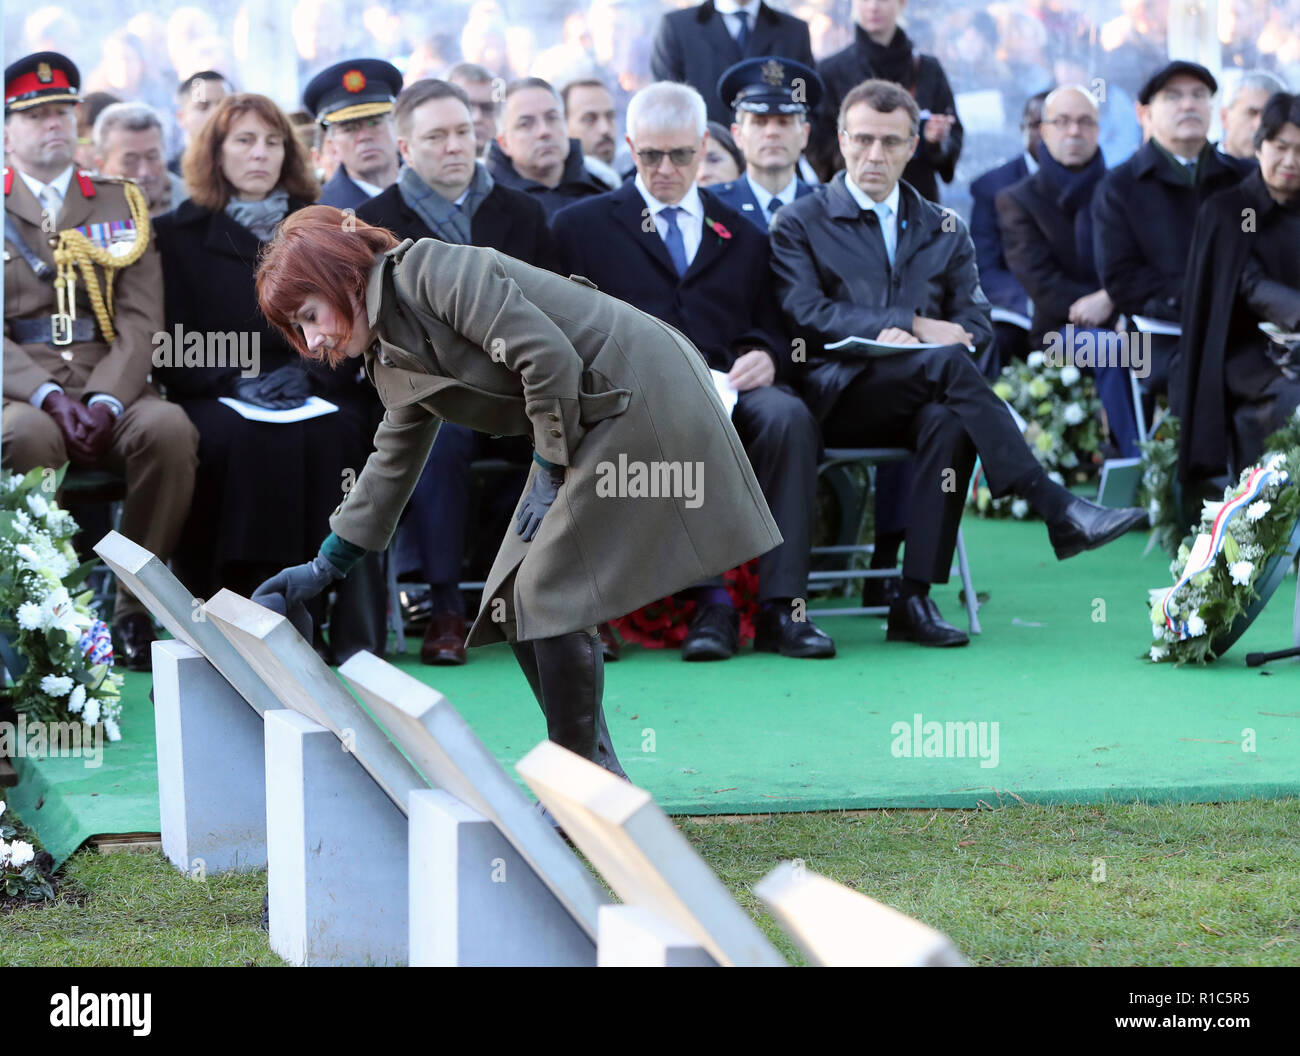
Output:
x=1157 y=326
x=313 y=408
x=869 y=346
x=726 y=391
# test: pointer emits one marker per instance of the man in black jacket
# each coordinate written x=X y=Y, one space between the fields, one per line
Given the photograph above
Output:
x=678 y=253
x=699 y=44
x=882 y=50
x=1046 y=223
x=1144 y=210
x=353 y=102
x=444 y=193
x=534 y=153
x=870 y=257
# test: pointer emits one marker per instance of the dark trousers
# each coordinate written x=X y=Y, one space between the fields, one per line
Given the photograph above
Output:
x=440 y=504
x=783 y=443
x=936 y=403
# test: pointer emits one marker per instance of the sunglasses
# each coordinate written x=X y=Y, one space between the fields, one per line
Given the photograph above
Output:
x=679 y=156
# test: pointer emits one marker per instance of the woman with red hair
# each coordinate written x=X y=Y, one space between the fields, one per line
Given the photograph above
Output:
x=640 y=485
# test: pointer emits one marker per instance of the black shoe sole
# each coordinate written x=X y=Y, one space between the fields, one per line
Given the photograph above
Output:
x=706 y=653
x=903 y=636
x=1123 y=529
x=816 y=653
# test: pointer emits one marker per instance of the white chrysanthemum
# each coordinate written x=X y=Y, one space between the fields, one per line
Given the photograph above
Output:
x=1158 y=653
x=1073 y=414
x=1256 y=510
x=91 y=715
x=20 y=853
x=56 y=685
x=1195 y=625
x=21 y=522
x=78 y=698
x=1019 y=508
x=1035 y=360
x=37 y=504
x=1070 y=374
x=29 y=616
x=1241 y=571
x=111 y=730
x=60 y=523
x=4 y=853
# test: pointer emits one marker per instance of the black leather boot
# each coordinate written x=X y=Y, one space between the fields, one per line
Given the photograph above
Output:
x=568 y=669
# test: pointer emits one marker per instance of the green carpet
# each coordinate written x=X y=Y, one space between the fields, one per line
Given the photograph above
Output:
x=1080 y=716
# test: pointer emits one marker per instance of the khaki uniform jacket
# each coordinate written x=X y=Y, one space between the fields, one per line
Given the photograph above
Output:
x=122 y=369
x=483 y=340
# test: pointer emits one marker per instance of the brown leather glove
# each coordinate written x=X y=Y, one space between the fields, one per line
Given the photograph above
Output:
x=74 y=423
x=99 y=434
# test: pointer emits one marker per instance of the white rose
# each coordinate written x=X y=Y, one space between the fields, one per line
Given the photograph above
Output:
x=1070 y=375
x=1241 y=571
x=1073 y=414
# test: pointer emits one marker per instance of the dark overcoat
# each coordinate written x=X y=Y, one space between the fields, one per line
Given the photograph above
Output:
x=480 y=339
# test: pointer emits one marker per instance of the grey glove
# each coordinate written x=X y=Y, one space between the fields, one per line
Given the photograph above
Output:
x=286 y=591
x=283 y=388
x=546 y=486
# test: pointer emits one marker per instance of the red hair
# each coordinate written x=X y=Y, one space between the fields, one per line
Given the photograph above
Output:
x=320 y=252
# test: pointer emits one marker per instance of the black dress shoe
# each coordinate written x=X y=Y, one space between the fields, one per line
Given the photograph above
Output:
x=135 y=635
x=917 y=618
x=779 y=632
x=879 y=591
x=608 y=643
x=1085 y=526
x=714 y=634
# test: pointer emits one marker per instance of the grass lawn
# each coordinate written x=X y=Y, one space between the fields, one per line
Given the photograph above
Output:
x=1199 y=884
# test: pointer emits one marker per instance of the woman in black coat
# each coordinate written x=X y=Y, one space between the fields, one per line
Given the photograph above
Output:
x=262 y=489
x=1240 y=385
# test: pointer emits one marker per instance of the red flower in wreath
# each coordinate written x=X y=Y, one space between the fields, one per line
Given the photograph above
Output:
x=718 y=229
x=663 y=624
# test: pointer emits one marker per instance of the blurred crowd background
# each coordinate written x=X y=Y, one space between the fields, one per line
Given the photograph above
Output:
x=995 y=55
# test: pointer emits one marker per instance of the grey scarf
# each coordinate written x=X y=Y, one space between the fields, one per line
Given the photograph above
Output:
x=260 y=217
x=449 y=222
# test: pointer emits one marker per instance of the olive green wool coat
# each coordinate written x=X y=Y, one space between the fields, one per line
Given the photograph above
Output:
x=621 y=399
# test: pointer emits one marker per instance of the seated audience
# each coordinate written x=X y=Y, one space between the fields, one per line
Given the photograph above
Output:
x=1241 y=111
x=870 y=257
x=680 y=254
x=1046 y=225
x=1244 y=271
x=477 y=83
x=593 y=122
x=722 y=162
x=128 y=140
x=196 y=97
x=352 y=101
x=263 y=488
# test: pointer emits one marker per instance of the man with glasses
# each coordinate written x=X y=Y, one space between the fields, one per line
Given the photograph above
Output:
x=353 y=102
x=1144 y=209
x=676 y=251
x=1046 y=222
x=870 y=257
x=534 y=154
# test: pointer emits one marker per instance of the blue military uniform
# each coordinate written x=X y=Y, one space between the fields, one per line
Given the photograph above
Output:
x=350 y=91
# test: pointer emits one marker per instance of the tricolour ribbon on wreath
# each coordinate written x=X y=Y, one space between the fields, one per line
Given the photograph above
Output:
x=1205 y=550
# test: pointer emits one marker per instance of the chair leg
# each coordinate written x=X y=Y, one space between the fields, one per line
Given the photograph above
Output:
x=394 y=603
x=972 y=603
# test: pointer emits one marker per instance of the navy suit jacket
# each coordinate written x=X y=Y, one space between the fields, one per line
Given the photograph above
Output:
x=1000 y=286
x=694 y=45
x=341 y=192
x=724 y=303
x=740 y=196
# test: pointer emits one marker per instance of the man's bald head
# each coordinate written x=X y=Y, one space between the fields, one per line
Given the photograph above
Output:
x=1070 y=125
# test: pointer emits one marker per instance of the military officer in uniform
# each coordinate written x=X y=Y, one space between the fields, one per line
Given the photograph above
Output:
x=82 y=303
x=773 y=99
x=353 y=102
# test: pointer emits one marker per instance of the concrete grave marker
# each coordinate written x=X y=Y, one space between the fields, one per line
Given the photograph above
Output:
x=836 y=926
x=641 y=854
x=449 y=753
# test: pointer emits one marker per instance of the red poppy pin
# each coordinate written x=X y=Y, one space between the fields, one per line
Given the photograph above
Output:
x=718 y=229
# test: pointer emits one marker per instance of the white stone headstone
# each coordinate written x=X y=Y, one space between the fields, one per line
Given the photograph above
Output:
x=444 y=747
x=836 y=926
x=633 y=937
x=642 y=855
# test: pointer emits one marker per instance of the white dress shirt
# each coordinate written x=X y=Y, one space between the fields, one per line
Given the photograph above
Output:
x=370 y=188
x=59 y=183
x=887 y=211
x=1031 y=162
x=764 y=196
x=728 y=10
x=690 y=219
